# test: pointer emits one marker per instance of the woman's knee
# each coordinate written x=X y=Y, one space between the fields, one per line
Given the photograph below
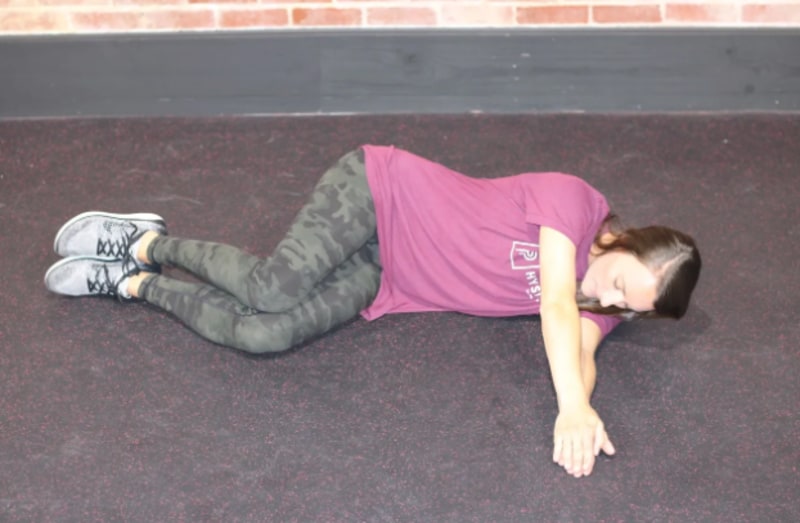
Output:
x=256 y=336
x=275 y=304
x=273 y=286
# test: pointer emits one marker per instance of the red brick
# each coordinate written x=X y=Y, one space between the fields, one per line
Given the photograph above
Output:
x=32 y=22
x=71 y=2
x=626 y=14
x=129 y=5
x=183 y=19
x=771 y=13
x=144 y=20
x=326 y=17
x=214 y=1
x=477 y=14
x=105 y=21
x=576 y=14
x=417 y=16
x=243 y=18
x=701 y=13
x=296 y=1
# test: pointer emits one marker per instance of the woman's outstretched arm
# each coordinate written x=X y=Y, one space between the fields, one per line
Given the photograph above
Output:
x=579 y=434
x=591 y=336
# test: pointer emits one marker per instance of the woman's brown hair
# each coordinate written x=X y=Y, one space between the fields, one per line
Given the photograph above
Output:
x=670 y=254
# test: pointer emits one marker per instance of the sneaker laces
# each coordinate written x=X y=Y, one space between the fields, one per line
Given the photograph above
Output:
x=102 y=283
x=118 y=247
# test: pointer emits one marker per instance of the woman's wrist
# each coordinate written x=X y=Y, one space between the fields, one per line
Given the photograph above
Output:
x=573 y=400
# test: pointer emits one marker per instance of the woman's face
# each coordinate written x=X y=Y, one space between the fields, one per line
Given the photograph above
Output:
x=618 y=278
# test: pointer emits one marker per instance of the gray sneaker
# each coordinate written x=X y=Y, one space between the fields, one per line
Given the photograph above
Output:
x=105 y=234
x=90 y=276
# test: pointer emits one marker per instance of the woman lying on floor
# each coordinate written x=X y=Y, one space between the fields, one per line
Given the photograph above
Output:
x=386 y=231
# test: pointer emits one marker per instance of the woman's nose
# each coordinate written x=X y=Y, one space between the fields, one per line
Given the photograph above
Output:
x=612 y=297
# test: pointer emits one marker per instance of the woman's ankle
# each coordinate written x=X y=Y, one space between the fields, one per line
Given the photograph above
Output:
x=134 y=286
x=144 y=246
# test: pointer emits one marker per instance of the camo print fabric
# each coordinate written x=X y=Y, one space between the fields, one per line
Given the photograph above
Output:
x=323 y=273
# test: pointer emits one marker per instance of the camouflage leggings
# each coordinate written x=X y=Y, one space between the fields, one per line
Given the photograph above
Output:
x=323 y=273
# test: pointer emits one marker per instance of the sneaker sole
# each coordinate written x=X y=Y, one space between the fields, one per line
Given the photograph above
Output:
x=142 y=216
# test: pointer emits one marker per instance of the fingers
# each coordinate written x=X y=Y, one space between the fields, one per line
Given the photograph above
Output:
x=577 y=445
x=601 y=442
x=558 y=446
x=577 y=453
x=581 y=460
x=587 y=463
x=600 y=437
x=608 y=447
x=564 y=454
x=574 y=454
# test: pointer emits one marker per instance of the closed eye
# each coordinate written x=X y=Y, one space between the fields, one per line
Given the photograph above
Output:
x=619 y=284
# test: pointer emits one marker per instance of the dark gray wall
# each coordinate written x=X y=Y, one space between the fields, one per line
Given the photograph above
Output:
x=413 y=71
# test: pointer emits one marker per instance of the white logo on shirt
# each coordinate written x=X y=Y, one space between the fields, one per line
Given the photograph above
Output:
x=525 y=257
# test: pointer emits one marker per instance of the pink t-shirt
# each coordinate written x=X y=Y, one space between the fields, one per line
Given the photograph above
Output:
x=449 y=242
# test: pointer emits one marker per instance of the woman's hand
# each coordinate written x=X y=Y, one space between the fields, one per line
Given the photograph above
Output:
x=578 y=437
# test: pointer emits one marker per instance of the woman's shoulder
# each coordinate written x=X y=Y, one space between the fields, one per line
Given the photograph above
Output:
x=562 y=183
x=554 y=177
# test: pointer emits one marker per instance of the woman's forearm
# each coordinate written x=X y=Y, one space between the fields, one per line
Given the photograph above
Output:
x=561 y=331
x=591 y=336
x=589 y=374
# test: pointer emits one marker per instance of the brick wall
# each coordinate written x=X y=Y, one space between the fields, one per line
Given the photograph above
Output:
x=103 y=16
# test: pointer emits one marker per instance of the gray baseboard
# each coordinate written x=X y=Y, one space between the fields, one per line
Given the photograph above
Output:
x=392 y=71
